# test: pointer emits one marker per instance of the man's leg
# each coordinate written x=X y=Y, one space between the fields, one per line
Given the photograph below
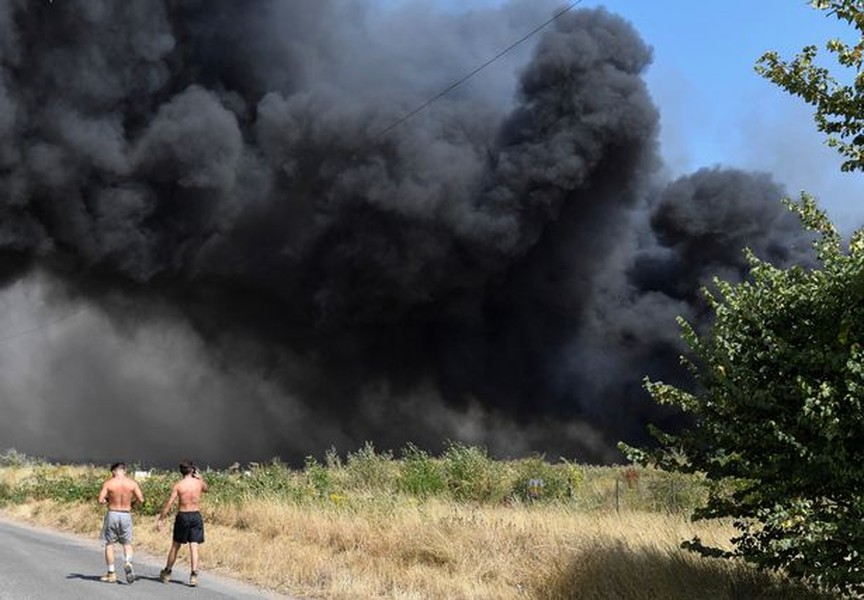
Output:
x=165 y=574
x=172 y=555
x=110 y=576
x=193 y=562
x=127 y=563
x=193 y=556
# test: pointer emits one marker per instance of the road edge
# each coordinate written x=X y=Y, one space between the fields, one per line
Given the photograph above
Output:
x=144 y=557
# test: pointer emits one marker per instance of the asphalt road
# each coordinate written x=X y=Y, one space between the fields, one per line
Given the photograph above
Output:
x=36 y=563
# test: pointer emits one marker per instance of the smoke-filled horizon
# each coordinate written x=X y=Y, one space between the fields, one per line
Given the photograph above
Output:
x=265 y=275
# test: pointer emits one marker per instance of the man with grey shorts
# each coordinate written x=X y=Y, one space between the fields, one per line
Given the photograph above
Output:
x=118 y=493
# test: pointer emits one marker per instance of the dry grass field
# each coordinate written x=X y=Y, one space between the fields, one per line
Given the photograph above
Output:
x=367 y=544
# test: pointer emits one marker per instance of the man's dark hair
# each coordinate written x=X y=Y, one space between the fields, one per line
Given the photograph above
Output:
x=118 y=465
x=186 y=467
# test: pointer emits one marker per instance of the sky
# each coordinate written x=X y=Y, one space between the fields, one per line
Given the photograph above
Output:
x=715 y=109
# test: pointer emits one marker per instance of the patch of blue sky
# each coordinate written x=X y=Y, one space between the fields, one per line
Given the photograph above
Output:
x=715 y=109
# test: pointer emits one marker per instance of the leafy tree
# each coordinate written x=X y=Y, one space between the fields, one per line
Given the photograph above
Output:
x=778 y=415
x=778 y=423
x=838 y=105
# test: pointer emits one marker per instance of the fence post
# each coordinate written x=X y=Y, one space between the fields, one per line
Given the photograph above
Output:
x=618 y=496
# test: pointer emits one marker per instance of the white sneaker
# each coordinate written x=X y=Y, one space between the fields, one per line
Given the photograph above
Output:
x=130 y=572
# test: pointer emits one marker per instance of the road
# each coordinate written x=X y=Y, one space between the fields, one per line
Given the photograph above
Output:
x=36 y=563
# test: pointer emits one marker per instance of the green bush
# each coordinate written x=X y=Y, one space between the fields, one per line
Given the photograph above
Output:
x=226 y=487
x=74 y=489
x=471 y=475
x=536 y=479
x=777 y=412
x=272 y=479
x=366 y=469
x=11 y=495
x=318 y=477
x=52 y=483
x=420 y=475
x=156 y=490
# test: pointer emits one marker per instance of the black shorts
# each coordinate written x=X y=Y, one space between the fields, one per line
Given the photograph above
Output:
x=189 y=527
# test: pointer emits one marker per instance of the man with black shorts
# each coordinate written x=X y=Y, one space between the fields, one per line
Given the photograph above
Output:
x=118 y=493
x=188 y=524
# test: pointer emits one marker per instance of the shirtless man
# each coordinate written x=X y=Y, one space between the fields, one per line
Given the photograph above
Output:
x=188 y=524
x=118 y=493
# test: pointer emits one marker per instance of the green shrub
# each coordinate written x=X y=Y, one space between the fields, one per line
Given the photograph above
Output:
x=471 y=475
x=776 y=410
x=73 y=490
x=49 y=483
x=536 y=479
x=226 y=487
x=272 y=479
x=419 y=474
x=367 y=469
x=575 y=476
x=11 y=495
x=156 y=490
x=318 y=477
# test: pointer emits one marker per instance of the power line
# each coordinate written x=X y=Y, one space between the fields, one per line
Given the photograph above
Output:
x=42 y=326
x=381 y=133
x=468 y=76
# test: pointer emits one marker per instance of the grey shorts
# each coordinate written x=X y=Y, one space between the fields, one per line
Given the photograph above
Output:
x=117 y=527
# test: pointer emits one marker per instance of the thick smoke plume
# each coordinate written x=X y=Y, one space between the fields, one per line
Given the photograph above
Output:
x=265 y=274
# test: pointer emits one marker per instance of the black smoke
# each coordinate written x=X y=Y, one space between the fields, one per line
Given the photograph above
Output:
x=214 y=172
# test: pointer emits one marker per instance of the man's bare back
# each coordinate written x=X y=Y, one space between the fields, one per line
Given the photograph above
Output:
x=189 y=491
x=118 y=492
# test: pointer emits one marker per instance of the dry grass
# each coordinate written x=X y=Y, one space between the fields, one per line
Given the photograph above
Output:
x=402 y=549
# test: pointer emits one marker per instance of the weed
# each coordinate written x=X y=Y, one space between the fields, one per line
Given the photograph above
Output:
x=318 y=477
x=472 y=475
x=12 y=458
x=420 y=475
x=366 y=469
x=536 y=479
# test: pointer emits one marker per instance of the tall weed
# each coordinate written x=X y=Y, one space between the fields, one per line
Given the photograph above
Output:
x=471 y=475
x=367 y=469
x=420 y=475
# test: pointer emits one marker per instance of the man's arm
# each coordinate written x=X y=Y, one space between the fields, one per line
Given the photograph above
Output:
x=103 y=493
x=138 y=493
x=171 y=499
